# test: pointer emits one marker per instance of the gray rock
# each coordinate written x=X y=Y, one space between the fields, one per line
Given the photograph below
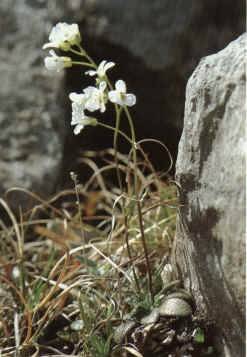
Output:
x=31 y=116
x=210 y=170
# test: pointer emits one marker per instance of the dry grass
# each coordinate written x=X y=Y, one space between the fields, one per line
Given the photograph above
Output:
x=74 y=267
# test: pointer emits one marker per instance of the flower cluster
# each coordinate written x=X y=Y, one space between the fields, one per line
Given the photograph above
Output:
x=63 y=36
x=93 y=98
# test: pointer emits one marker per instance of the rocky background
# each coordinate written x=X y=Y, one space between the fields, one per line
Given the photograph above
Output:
x=156 y=45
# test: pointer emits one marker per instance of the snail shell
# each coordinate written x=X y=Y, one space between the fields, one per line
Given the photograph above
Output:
x=123 y=331
x=175 y=306
x=151 y=318
x=181 y=294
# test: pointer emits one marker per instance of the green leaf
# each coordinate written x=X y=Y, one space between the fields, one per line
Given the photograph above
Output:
x=198 y=335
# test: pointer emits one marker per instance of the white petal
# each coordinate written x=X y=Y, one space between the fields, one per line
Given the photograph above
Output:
x=92 y=106
x=91 y=73
x=78 y=128
x=112 y=95
x=73 y=96
x=89 y=91
x=77 y=113
x=120 y=86
x=50 y=45
x=109 y=65
x=115 y=97
x=77 y=98
x=101 y=66
x=54 y=64
x=130 y=100
x=53 y=53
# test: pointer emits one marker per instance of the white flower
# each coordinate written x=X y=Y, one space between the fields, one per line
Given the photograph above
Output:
x=78 y=98
x=95 y=97
x=101 y=70
x=56 y=63
x=119 y=95
x=63 y=36
x=79 y=118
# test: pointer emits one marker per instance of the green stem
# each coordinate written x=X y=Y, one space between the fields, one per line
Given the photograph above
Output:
x=84 y=54
x=79 y=53
x=85 y=64
x=128 y=247
x=139 y=211
x=116 y=132
x=132 y=130
x=114 y=129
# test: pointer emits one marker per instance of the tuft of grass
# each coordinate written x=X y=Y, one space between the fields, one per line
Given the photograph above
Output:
x=73 y=268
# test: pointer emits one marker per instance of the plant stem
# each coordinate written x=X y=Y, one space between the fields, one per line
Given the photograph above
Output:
x=126 y=228
x=86 y=64
x=116 y=132
x=114 y=129
x=84 y=54
x=129 y=250
x=139 y=211
x=149 y=274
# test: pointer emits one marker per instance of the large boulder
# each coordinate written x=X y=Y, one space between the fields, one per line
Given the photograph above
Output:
x=210 y=171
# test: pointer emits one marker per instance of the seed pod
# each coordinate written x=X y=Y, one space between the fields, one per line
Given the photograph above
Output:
x=175 y=307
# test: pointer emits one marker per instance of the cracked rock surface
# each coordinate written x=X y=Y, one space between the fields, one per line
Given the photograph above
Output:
x=210 y=241
x=31 y=136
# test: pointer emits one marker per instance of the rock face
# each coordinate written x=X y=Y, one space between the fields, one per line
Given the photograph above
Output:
x=31 y=136
x=210 y=170
x=32 y=116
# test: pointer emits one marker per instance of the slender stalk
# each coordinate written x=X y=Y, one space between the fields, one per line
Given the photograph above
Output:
x=132 y=130
x=85 y=54
x=149 y=274
x=85 y=64
x=79 y=53
x=77 y=194
x=129 y=250
x=116 y=132
x=114 y=129
x=139 y=211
